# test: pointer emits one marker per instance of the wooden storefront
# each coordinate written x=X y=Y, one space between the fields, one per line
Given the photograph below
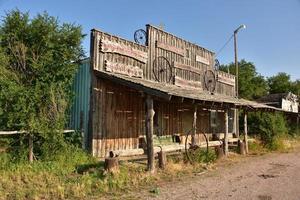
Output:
x=171 y=71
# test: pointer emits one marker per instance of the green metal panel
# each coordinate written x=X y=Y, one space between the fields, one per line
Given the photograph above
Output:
x=81 y=100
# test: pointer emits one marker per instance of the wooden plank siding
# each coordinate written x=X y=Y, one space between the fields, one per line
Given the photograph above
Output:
x=114 y=49
x=189 y=61
x=118 y=118
x=188 y=58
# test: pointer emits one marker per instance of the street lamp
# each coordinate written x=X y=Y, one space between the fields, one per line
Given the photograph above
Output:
x=243 y=26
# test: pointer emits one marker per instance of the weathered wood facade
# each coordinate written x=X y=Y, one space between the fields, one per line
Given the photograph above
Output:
x=171 y=71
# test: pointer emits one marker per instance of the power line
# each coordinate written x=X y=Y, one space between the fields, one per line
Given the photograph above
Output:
x=224 y=45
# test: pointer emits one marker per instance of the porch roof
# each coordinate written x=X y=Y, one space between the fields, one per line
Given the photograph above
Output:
x=166 y=91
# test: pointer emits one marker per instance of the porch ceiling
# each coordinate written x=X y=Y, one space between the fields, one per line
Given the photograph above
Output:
x=166 y=91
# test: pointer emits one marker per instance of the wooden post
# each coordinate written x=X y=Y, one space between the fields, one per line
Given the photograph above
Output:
x=149 y=133
x=246 y=132
x=219 y=151
x=242 y=149
x=111 y=164
x=30 y=145
x=194 y=126
x=226 y=133
x=237 y=123
x=162 y=159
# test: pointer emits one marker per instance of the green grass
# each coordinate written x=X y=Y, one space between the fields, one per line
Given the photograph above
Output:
x=74 y=174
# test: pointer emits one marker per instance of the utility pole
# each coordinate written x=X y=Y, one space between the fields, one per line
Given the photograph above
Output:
x=237 y=131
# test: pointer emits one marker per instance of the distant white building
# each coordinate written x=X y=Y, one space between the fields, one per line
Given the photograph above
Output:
x=286 y=101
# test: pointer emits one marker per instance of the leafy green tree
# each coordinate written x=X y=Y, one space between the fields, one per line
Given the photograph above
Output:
x=37 y=67
x=280 y=83
x=296 y=87
x=251 y=84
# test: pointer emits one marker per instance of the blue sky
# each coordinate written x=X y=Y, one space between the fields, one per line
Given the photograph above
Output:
x=271 y=40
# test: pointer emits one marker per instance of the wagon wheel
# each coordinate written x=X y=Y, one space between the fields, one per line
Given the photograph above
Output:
x=191 y=150
x=210 y=81
x=217 y=64
x=162 y=70
x=140 y=36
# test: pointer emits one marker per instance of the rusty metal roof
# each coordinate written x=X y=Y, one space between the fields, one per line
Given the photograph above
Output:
x=166 y=91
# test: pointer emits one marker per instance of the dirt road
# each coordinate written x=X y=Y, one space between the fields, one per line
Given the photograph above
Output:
x=271 y=176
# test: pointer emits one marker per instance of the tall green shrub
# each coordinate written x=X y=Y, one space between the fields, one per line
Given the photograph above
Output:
x=37 y=67
x=271 y=127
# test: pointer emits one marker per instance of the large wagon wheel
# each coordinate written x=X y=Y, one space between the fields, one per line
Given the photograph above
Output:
x=162 y=70
x=210 y=81
x=191 y=149
x=140 y=37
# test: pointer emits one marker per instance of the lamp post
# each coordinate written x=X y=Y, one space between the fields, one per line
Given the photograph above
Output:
x=243 y=26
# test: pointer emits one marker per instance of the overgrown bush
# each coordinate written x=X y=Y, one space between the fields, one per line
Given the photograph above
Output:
x=271 y=127
x=37 y=68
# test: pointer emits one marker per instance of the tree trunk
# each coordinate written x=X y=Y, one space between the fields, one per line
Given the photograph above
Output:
x=111 y=165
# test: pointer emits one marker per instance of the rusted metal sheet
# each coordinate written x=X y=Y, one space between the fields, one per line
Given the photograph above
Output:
x=79 y=113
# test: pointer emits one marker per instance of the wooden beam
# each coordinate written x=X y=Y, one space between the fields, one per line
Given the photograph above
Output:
x=246 y=132
x=149 y=133
x=226 y=133
x=167 y=47
x=183 y=83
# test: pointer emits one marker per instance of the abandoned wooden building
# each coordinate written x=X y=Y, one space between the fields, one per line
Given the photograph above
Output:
x=160 y=86
x=288 y=102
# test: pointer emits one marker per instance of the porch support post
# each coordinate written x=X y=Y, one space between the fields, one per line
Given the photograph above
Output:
x=194 y=126
x=246 y=131
x=237 y=124
x=149 y=134
x=226 y=133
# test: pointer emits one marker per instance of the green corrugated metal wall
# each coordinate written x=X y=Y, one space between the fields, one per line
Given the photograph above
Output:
x=81 y=101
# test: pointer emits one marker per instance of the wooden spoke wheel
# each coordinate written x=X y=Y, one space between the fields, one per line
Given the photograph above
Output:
x=192 y=150
x=210 y=81
x=162 y=70
x=140 y=37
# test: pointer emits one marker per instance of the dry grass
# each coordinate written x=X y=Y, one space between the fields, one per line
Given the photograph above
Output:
x=82 y=177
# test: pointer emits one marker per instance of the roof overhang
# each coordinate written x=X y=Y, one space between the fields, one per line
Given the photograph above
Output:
x=167 y=92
